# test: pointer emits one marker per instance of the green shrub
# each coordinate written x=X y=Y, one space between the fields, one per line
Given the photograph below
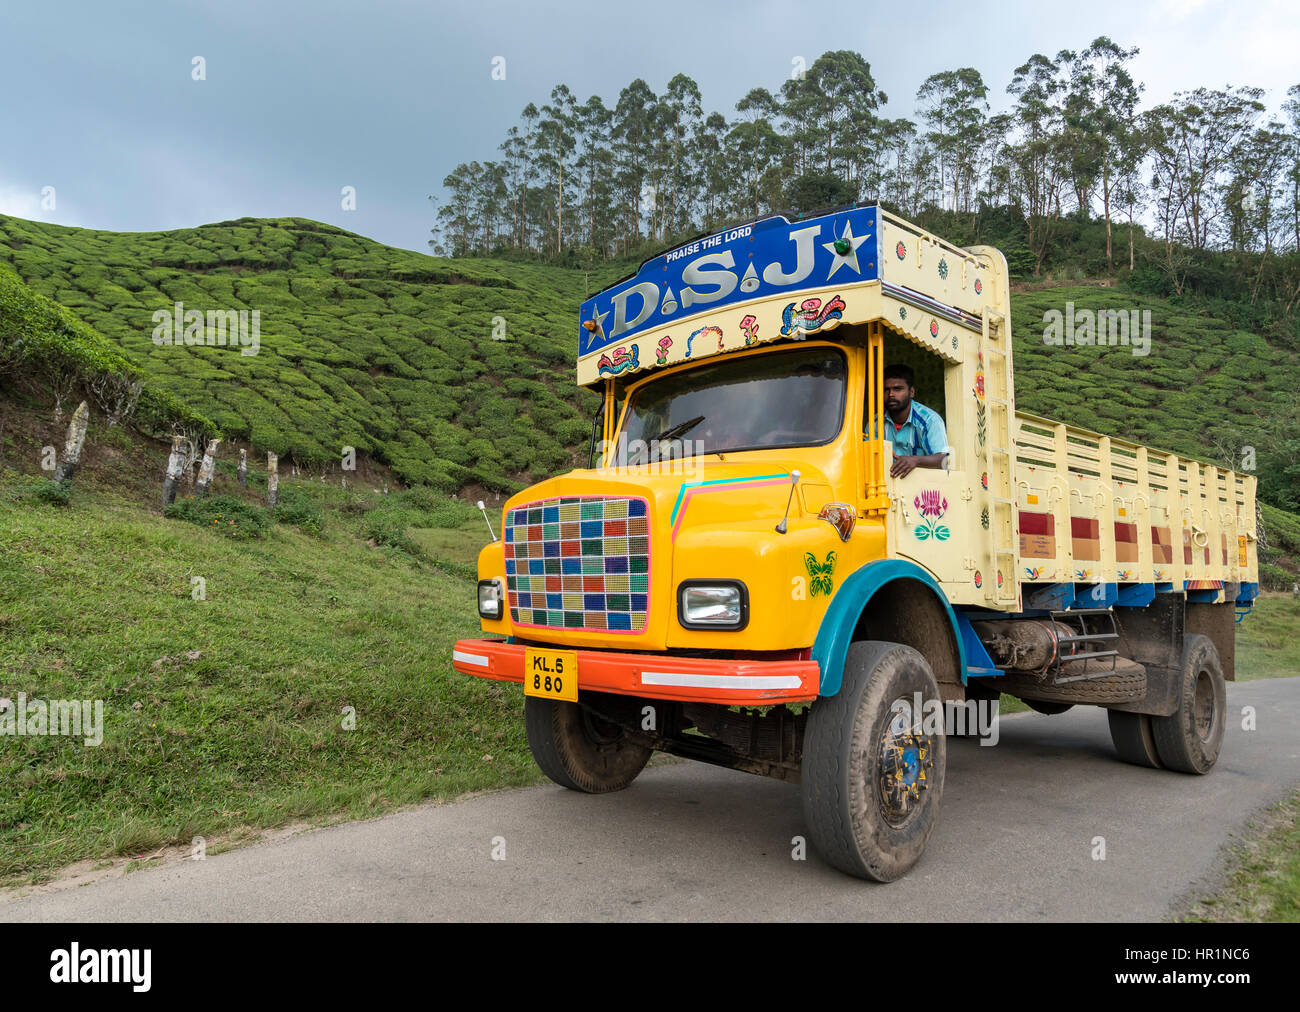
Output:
x=56 y=493
x=301 y=510
x=224 y=515
x=385 y=527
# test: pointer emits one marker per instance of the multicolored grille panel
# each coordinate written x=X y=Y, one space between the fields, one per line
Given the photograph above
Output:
x=579 y=562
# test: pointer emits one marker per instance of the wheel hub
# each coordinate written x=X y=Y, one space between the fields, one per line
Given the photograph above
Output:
x=904 y=765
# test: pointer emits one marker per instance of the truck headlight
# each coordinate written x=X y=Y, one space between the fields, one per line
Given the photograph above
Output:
x=490 y=599
x=712 y=604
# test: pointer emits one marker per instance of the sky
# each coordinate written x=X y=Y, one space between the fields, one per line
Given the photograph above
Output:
x=106 y=123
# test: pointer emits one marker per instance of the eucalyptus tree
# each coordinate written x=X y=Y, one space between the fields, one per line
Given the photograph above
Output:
x=633 y=137
x=1037 y=155
x=1194 y=140
x=1109 y=97
x=954 y=105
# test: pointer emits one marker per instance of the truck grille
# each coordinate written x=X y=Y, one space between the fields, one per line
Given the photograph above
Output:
x=579 y=562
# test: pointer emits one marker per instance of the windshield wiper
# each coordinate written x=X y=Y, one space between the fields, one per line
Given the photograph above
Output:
x=670 y=433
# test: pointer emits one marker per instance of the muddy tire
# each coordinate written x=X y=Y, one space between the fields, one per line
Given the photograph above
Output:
x=871 y=781
x=1122 y=687
x=578 y=749
x=1189 y=739
x=1134 y=740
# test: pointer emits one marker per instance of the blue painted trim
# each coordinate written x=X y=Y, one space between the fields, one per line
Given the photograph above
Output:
x=1136 y=595
x=836 y=631
x=1099 y=595
x=1202 y=596
x=1247 y=592
x=1166 y=588
x=1050 y=597
x=978 y=662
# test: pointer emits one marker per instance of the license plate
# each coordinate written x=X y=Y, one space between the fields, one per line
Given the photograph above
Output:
x=551 y=674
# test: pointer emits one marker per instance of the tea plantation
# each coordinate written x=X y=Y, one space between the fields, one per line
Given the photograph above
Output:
x=452 y=372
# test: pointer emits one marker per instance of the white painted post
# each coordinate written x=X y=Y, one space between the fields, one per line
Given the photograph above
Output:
x=272 y=479
x=175 y=463
x=67 y=465
x=208 y=466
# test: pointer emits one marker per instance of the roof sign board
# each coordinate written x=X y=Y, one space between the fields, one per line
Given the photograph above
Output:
x=769 y=257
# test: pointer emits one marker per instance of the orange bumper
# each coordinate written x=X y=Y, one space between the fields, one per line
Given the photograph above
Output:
x=656 y=676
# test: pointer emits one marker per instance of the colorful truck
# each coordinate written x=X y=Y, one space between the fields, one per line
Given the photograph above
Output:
x=738 y=578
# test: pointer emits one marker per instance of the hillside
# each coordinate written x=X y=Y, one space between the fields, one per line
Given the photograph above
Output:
x=394 y=352
x=360 y=344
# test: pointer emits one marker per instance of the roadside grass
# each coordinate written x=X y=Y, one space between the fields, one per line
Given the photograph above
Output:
x=1262 y=882
x=1267 y=642
x=228 y=712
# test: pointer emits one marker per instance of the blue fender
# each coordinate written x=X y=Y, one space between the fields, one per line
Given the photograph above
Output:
x=836 y=631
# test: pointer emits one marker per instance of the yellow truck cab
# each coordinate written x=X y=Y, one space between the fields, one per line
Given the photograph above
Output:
x=738 y=578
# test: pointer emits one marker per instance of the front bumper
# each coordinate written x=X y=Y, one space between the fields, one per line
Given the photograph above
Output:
x=656 y=676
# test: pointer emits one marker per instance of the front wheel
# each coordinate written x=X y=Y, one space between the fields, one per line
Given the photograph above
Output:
x=873 y=766
x=580 y=750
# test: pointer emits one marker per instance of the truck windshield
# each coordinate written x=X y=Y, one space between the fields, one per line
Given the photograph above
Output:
x=785 y=398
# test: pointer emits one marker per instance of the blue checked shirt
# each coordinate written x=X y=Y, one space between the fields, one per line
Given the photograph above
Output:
x=922 y=434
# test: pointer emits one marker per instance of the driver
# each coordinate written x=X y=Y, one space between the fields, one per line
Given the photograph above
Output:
x=917 y=432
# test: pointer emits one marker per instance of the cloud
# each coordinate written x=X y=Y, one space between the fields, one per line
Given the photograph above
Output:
x=20 y=202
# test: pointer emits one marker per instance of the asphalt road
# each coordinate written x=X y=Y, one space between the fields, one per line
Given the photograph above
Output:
x=1015 y=841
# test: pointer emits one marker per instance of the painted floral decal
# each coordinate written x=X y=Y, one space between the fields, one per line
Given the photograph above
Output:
x=749 y=327
x=932 y=505
x=934 y=328
x=979 y=286
x=901 y=251
x=984 y=480
x=902 y=312
x=979 y=580
x=1083 y=574
x=1036 y=572
x=819 y=573
x=943 y=268
x=984 y=518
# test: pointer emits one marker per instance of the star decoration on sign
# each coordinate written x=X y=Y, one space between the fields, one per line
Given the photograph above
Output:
x=599 y=319
x=850 y=254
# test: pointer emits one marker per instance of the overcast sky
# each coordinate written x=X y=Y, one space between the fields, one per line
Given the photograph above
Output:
x=387 y=96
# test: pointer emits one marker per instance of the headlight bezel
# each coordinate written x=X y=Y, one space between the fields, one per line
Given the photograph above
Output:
x=500 y=594
x=742 y=604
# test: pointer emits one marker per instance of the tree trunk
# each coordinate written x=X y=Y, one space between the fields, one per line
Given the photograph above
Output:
x=67 y=465
x=272 y=479
x=207 y=468
x=1105 y=202
x=175 y=464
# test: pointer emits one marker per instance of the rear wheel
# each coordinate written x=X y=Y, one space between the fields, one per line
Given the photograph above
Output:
x=580 y=750
x=1189 y=739
x=1134 y=739
x=872 y=775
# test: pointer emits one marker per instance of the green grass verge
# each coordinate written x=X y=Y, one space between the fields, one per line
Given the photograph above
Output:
x=1262 y=882
x=227 y=712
